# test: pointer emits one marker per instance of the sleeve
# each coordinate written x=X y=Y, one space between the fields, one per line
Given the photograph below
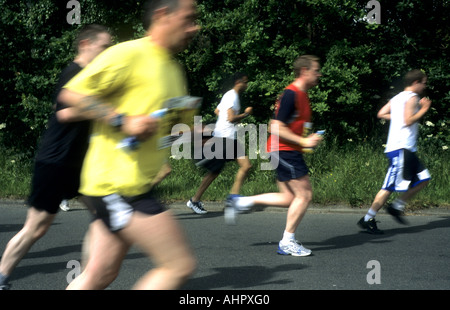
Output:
x=226 y=103
x=106 y=74
x=287 y=107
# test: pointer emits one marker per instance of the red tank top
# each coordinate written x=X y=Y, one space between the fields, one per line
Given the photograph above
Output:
x=301 y=115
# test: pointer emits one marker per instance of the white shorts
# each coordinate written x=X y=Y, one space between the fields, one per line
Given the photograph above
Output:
x=405 y=171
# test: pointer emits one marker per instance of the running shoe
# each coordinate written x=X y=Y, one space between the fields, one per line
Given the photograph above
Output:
x=230 y=210
x=197 y=206
x=397 y=214
x=370 y=226
x=293 y=248
x=5 y=287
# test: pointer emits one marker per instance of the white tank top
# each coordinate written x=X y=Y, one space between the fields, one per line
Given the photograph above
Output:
x=401 y=136
x=224 y=128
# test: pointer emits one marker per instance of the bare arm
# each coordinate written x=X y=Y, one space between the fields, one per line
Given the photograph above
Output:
x=411 y=116
x=85 y=107
x=93 y=108
x=282 y=130
x=385 y=112
x=69 y=115
x=236 y=118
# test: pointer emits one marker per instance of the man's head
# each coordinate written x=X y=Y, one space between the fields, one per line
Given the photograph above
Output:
x=91 y=41
x=171 y=23
x=307 y=67
x=240 y=81
x=416 y=80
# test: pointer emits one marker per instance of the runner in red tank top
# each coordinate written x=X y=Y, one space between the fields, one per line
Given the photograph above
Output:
x=292 y=111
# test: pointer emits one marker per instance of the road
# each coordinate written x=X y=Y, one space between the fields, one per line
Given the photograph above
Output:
x=243 y=257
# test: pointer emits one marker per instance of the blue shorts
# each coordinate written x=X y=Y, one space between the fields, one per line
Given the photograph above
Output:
x=405 y=171
x=291 y=165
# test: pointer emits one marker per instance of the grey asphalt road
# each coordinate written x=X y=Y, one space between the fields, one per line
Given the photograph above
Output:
x=243 y=257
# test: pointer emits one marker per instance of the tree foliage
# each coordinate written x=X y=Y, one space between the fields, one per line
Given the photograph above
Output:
x=362 y=63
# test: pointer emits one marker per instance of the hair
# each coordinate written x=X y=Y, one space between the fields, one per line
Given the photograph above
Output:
x=413 y=76
x=238 y=76
x=304 y=61
x=152 y=5
x=89 y=32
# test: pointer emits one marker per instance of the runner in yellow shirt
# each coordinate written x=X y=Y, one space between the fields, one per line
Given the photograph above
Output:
x=127 y=83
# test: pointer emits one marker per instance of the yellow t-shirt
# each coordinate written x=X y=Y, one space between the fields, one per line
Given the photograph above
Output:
x=136 y=77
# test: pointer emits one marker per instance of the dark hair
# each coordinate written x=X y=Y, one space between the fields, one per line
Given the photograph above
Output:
x=152 y=5
x=304 y=61
x=238 y=76
x=89 y=32
x=413 y=76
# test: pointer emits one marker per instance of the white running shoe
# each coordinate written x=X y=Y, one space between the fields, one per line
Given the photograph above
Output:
x=64 y=205
x=230 y=214
x=293 y=248
x=197 y=207
x=231 y=210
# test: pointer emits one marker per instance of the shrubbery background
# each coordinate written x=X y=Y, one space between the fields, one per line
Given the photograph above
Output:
x=362 y=63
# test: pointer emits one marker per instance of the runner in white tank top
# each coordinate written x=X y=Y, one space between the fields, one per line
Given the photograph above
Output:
x=406 y=173
x=400 y=135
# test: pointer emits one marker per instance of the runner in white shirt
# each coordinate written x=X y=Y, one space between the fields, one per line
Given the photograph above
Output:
x=225 y=128
x=406 y=173
x=229 y=115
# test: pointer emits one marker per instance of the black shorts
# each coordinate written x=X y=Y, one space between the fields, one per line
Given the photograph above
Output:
x=115 y=210
x=217 y=151
x=290 y=165
x=52 y=183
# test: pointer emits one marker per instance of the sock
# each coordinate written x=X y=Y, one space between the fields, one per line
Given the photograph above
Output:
x=244 y=203
x=3 y=279
x=370 y=215
x=399 y=204
x=287 y=236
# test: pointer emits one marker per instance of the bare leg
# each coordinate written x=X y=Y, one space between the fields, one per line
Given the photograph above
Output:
x=413 y=191
x=282 y=199
x=159 y=236
x=106 y=252
x=162 y=239
x=36 y=225
x=302 y=190
x=244 y=167
x=380 y=199
x=206 y=182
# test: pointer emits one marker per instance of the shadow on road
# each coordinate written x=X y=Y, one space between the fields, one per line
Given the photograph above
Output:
x=362 y=237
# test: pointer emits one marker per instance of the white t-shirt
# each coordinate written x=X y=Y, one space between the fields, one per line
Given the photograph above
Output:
x=224 y=128
x=401 y=136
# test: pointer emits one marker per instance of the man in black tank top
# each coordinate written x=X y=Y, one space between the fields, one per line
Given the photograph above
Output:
x=60 y=155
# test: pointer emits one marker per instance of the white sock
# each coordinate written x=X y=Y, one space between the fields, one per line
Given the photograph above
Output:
x=244 y=203
x=287 y=236
x=399 y=204
x=370 y=215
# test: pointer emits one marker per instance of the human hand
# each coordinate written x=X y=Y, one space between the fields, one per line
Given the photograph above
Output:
x=140 y=126
x=311 y=141
x=425 y=102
